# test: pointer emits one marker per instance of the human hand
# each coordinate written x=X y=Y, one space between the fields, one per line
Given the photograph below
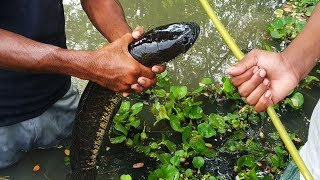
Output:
x=113 y=67
x=264 y=78
x=143 y=82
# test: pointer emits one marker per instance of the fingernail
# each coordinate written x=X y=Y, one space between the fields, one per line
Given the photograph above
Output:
x=266 y=82
x=134 y=86
x=255 y=69
x=141 y=81
x=136 y=34
x=155 y=69
x=125 y=94
x=262 y=73
x=268 y=94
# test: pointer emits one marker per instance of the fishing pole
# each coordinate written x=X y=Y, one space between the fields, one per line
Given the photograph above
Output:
x=271 y=112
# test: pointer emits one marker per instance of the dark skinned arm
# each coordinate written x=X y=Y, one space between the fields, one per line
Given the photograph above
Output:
x=111 y=66
x=108 y=17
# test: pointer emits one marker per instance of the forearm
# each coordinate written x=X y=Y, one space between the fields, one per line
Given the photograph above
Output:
x=108 y=17
x=22 y=54
x=303 y=52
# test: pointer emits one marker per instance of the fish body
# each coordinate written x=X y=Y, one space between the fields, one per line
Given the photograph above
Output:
x=164 y=43
x=98 y=105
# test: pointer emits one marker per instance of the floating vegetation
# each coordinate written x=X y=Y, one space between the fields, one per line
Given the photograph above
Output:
x=201 y=137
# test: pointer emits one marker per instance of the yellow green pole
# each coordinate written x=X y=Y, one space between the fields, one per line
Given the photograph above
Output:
x=271 y=112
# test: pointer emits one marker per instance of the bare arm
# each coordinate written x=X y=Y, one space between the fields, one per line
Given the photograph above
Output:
x=304 y=51
x=112 y=66
x=266 y=78
x=22 y=54
x=108 y=17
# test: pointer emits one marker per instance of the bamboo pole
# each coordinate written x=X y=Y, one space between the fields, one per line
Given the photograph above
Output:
x=271 y=112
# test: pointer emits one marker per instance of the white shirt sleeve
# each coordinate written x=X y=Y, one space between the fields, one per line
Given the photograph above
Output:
x=310 y=152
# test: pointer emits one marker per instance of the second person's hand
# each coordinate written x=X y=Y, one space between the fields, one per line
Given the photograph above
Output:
x=264 y=78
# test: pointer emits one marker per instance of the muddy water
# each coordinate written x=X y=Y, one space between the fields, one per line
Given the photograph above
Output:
x=246 y=21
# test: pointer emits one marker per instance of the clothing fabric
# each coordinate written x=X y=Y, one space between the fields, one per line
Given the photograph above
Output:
x=27 y=95
x=44 y=131
x=310 y=152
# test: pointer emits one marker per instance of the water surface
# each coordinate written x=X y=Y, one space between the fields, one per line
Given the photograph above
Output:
x=209 y=57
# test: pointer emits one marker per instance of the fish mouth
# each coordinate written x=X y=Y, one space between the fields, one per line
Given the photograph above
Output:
x=195 y=28
x=192 y=33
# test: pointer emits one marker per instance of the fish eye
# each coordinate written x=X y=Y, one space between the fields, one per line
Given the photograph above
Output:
x=185 y=40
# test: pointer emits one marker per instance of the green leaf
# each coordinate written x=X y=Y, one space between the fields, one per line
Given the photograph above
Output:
x=67 y=161
x=125 y=106
x=125 y=177
x=178 y=92
x=118 y=118
x=252 y=174
x=206 y=130
x=188 y=173
x=159 y=111
x=206 y=81
x=135 y=123
x=227 y=86
x=276 y=34
x=144 y=149
x=278 y=13
x=246 y=160
x=164 y=158
x=218 y=122
x=276 y=161
x=167 y=172
x=235 y=123
x=196 y=112
x=170 y=145
x=198 y=90
x=309 y=80
x=121 y=128
x=278 y=23
x=209 y=153
x=232 y=148
x=310 y=10
x=136 y=108
x=180 y=153
x=162 y=75
x=186 y=134
x=198 y=162
x=175 y=123
x=175 y=160
x=296 y=101
x=160 y=93
x=129 y=142
x=197 y=143
x=118 y=139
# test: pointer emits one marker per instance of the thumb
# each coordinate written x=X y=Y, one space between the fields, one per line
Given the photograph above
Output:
x=137 y=32
x=245 y=64
x=127 y=38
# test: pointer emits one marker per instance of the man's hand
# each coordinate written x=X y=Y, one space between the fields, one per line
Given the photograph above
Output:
x=143 y=82
x=264 y=78
x=114 y=67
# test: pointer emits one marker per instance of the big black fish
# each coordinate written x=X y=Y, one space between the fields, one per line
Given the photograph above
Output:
x=98 y=105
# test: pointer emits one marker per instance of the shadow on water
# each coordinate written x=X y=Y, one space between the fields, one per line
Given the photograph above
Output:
x=246 y=21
